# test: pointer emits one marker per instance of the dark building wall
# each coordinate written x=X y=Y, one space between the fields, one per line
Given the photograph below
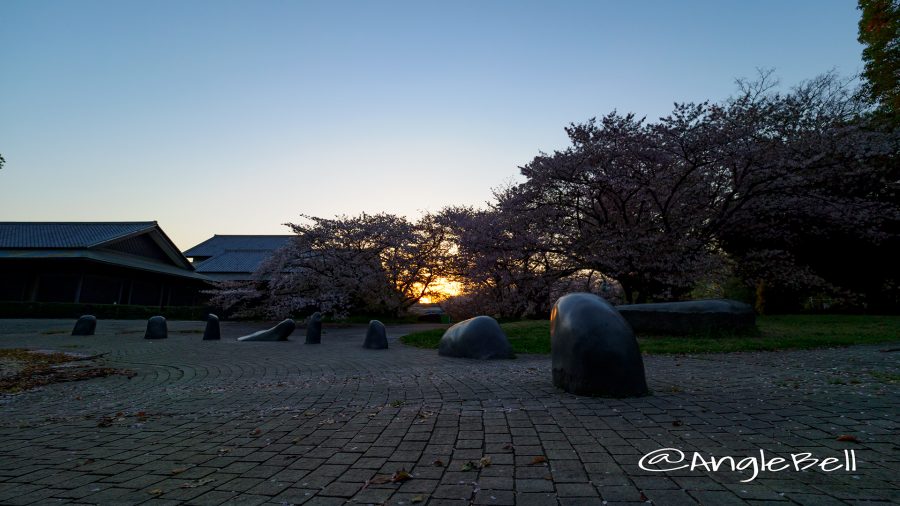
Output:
x=84 y=281
x=13 y=284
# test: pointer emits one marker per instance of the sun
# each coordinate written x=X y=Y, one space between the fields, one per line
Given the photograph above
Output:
x=441 y=289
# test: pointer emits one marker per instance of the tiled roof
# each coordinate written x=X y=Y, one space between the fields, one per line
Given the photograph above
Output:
x=220 y=243
x=234 y=261
x=105 y=256
x=24 y=235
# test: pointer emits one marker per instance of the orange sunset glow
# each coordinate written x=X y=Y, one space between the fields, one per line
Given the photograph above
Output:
x=441 y=289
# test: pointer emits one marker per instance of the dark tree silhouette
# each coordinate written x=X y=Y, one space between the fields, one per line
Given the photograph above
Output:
x=879 y=30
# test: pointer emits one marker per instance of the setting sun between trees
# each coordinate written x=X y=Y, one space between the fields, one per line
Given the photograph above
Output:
x=441 y=289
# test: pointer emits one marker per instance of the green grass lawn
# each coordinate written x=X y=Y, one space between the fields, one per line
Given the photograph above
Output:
x=785 y=332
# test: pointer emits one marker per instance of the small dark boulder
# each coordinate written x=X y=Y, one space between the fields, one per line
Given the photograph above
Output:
x=156 y=328
x=711 y=316
x=314 y=329
x=480 y=337
x=211 y=333
x=376 y=336
x=279 y=332
x=85 y=326
x=593 y=349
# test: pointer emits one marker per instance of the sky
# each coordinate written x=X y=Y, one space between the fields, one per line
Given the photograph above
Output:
x=235 y=117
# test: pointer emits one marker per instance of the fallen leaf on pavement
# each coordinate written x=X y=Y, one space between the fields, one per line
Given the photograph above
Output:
x=401 y=476
x=378 y=479
x=198 y=483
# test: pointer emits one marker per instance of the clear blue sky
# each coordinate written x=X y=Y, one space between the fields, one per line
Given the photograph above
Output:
x=234 y=117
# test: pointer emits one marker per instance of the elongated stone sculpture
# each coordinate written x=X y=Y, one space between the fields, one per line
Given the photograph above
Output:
x=480 y=337
x=314 y=329
x=211 y=333
x=85 y=326
x=711 y=316
x=593 y=349
x=156 y=328
x=279 y=332
x=376 y=336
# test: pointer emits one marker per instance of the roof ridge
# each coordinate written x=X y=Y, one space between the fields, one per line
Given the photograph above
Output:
x=151 y=225
x=76 y=222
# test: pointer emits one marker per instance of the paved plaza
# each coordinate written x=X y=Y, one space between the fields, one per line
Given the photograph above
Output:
x=223 y=422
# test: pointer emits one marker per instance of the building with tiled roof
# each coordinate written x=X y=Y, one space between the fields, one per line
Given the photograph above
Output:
x=234 y=257
x=95 y=262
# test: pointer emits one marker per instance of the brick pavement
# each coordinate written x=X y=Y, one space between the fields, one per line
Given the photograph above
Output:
x=224 y=422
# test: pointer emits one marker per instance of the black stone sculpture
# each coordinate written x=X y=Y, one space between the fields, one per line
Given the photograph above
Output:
x=593 y=349
x=156 y=328
x=480 y=337
x=314 y=329
x=85 y=326
x=211 y=333
x=376 y=336
x=279 y=332
x=712 y=316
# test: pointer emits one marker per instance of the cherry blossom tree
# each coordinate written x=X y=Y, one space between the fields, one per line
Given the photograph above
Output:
x=505 y=267
x=498 y=263
x=378 y=264
x=817 y=193
x=659 y=206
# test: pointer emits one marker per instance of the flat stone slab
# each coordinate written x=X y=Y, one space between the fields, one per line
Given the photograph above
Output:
x=279 y=332
x=709 y=316
x=480 y=337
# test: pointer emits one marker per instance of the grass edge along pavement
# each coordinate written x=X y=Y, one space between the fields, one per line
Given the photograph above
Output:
x=781 y=332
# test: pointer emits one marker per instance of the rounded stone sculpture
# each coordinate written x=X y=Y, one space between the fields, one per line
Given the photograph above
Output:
x=376 y=336
x=593 y=349
x=480 y=337
x=211 y=333
x=279 y=332
x=711 y=316
x=156 y=328
x=85 y=326
x=314 y=329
